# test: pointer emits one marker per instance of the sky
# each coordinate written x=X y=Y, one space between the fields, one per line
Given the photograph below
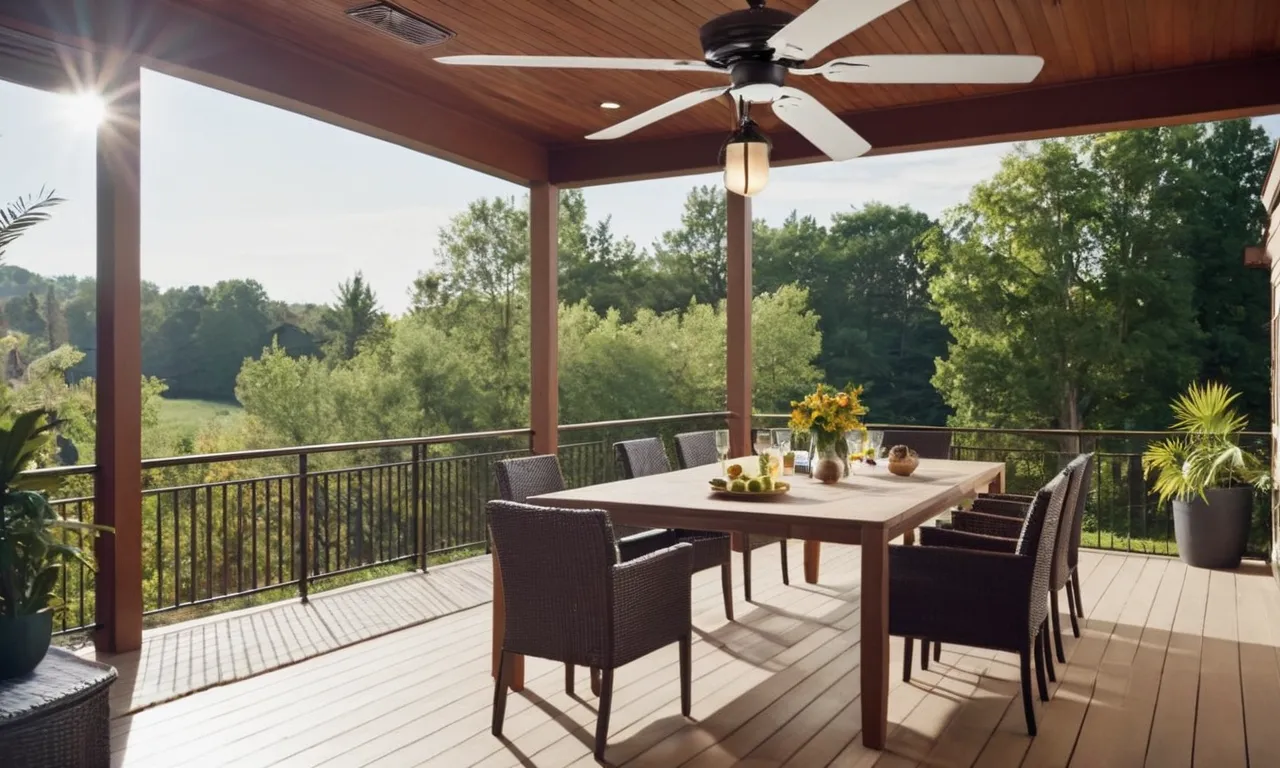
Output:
x=236 y=189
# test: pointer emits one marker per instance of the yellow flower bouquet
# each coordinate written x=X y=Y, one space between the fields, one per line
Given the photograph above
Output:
x=827 y=415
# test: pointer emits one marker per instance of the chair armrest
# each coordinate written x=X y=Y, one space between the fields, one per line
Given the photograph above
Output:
x=652 y=602
x=987 y=525
x=1021 y=498
x=1003 y=507
x=638 y=545
x=958 y=539
x=958 y=595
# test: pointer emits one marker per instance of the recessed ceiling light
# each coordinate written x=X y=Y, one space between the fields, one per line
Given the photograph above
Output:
x=610 y=105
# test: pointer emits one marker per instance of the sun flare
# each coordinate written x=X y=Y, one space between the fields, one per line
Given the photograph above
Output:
x=87 y=109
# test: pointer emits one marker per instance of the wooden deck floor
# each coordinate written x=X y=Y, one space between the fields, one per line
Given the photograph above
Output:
x=194 y=655
x=1176 y=667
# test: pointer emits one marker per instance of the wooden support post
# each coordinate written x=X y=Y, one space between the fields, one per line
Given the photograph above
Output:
x=544 y=305
x=118 y=493
x=738 y=319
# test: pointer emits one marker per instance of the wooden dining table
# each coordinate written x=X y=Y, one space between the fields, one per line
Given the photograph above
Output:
x=868 y=508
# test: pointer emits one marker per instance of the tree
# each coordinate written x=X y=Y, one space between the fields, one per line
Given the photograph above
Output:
x=1220 y=214
x=692 y=258
x=234 y=326
x=1066 y=305
x=54 y=319
x=353 y=317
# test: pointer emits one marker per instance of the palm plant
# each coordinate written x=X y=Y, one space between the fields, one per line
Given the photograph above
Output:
x=32 y=553
x=23 y=214
x=1208 y=453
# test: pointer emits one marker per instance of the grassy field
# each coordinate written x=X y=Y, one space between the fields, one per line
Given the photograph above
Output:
x=188 y=416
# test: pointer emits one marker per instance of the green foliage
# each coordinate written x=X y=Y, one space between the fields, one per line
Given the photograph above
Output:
x=1208 y=453
x=1068 y=306
x=18 y=217
x=354 y=317
x=32 y=553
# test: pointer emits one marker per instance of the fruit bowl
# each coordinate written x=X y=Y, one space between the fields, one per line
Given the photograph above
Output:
x=753 y=488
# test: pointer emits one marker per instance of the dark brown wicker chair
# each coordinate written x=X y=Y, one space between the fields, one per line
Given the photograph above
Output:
x=518 y=479
x=568 y=599
x=697 y=449
x=640 y=458
x=1002 y=514
x=980 y=591
x=928 y=443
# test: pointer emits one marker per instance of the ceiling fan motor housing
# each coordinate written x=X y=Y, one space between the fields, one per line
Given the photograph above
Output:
x=742 y=35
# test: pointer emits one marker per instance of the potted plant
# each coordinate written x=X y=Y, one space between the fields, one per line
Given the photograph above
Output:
x=1208 y=477
x=31 y=553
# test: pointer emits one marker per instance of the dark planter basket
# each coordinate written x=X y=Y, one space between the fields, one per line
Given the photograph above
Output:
x=24 y=640
x=1213 y=532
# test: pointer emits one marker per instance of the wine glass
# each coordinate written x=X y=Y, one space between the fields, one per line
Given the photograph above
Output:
x=764 y=441
x=853 y=441
x=722 y=447
x=875 y=439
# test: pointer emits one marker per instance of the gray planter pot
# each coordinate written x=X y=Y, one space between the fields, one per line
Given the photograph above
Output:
x=1213 y=532
x=24 y=640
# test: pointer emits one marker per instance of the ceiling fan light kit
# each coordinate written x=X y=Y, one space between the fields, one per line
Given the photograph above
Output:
x=756 y=48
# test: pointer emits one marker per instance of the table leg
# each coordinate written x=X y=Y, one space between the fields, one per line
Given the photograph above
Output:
x=875 y=636
x=499 y=629
x=997 y=485
x=812 y=557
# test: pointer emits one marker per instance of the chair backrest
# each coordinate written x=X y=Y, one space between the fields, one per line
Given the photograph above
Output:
x=518 y=479
x=1040 y=536
x=1082 y=500
x=928 y=443
x=641 y=458
x=696 y=449
x=1069 y=528
x=1029 y=536
x=555 y=566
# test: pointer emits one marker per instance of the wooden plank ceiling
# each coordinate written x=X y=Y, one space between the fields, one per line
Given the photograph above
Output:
x=1079 y=39
x=1109 y=63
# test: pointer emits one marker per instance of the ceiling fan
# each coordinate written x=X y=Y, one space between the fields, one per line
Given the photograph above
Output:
x=757 y=48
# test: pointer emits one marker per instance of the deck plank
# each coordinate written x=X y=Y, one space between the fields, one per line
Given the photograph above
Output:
x=1173 y=728
x=1220 y=737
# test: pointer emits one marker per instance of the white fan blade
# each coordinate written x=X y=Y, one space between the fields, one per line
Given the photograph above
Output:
x=936 y=68
x=678 y=104
x=581 y=62
x=819 y=125
x=825 y=22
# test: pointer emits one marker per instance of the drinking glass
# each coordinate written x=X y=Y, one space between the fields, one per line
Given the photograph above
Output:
x=853 y=440
x=722 y=447
x=875 y=439
x=764 y=441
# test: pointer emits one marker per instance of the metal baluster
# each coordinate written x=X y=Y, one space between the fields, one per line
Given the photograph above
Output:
x=266 y=549
x=208 y=542
x=415 y=500
x=304 y=557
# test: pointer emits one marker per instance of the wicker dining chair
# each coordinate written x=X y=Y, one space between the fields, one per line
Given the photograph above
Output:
x=644 y=457
x=1002 y=514
x=979 y=591
x=927 y=443
x=696 y=449
x=569 y=599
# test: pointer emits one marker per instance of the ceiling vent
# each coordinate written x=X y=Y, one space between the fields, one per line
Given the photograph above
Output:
x=401 y=24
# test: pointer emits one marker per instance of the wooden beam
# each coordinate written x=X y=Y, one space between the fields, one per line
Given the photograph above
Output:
x=118 y=495
x=544 y=306
x=209 y=51
x=738 y=321
x=1240 y=88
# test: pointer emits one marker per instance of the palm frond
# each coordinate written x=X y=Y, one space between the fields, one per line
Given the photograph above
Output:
x=23 y=214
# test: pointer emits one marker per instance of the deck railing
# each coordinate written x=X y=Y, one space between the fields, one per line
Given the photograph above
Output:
x=237 y=528
x=1121 y=513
